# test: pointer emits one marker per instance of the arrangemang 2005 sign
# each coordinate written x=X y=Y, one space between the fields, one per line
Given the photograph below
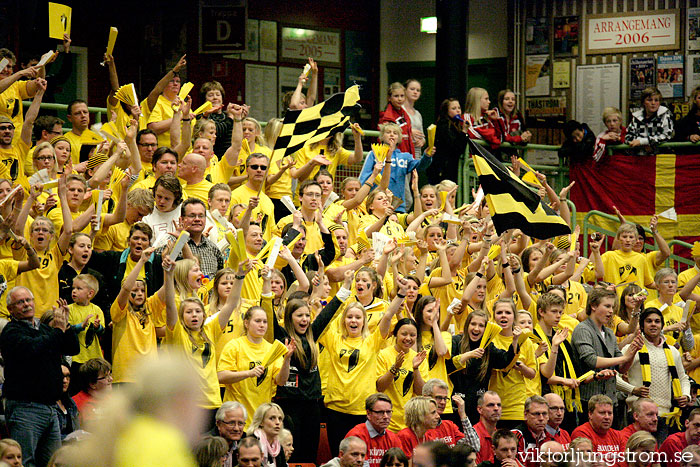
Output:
x=633 y=32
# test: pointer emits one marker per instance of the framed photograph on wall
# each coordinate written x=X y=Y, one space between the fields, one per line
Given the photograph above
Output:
x=566 y=36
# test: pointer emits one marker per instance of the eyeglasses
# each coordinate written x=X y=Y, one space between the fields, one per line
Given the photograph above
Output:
x=53 y=132
x=440 y=398
x=382 y=412
x=258 y=167
x=148 y=145
x=196 y=216
x=22 y=301
x=107 y=376
x=45 y=158
x=7 y=127
x=232 y=423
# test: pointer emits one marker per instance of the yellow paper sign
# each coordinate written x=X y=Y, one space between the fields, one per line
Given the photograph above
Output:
x=203 y=108
x=59 y=20
x=585 y=376
x=277 y=350
x=491 y=331
x=112 y=40
x=185 y=90
x=443 y=200
x=127 y=94
x=431 y=138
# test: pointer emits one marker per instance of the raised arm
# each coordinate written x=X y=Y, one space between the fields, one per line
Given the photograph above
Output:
x=394 y=307
x=312 y=92
x=30 y=72
x=303 y=281
x=113 y=79
x=357 y=154
x=130 y=281
x=33 y=111
x=170 y=307
x=234 y=298
x=161 y=85
x=664 y=249
x=364 y=189
x=236 y=113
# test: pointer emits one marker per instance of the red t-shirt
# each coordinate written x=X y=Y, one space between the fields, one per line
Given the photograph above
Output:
x=672 y=447
x=486 y=451
x=409 y=440
x=608 y=445
x=376 y=447
x=626 y=432
x=448 y=433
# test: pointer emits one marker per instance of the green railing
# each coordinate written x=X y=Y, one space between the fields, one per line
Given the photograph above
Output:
x=97 y=111
x=674 y=261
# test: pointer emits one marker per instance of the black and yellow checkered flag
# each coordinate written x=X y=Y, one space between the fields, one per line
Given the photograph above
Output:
x=512 y=204
x=307 y=126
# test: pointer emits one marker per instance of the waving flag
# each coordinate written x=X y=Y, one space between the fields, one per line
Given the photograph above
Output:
x=513 y=205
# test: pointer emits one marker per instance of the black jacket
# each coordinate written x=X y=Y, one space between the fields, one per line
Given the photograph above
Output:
x=579 y=152
x=305 y=383
x=33 y=361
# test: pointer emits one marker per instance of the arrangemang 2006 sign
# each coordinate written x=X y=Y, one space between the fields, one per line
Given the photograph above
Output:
x=632 y=32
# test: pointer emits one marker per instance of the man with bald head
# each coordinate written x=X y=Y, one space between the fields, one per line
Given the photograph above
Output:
x=645 y=413
x=557 y=409
x=552 y=454
x=191 y=169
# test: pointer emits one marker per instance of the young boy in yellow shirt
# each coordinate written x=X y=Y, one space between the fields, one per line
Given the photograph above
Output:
x=86 y=317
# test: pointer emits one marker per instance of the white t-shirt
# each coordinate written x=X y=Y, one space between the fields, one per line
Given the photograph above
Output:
x=162 y=223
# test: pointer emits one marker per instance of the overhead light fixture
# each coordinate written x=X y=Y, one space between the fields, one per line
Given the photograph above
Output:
x=428 y=24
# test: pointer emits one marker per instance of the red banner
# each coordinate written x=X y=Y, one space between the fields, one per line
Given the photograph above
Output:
x=641 y=186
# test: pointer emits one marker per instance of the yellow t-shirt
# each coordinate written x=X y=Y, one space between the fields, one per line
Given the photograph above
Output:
x=351 y=218
x=684 y=278
x=8 y=274
x=510 y=382
x=695 y=353
x=447 y=293
x=264 y=213
x=628 y=266
x=75 y=146
x=390 y=228
x=283 y=185
x=344 y=261
x=133 y=339
x=148 y=442
x=11 y=104
x=400 y=390
x=115 y=238
x=241 y=355
x=162 y=111
x=436 y=365
x=77 y=315
x=13 y=160
x=201 y=355
x=351 y=371
x=43 y=281
x=198 y=190
x=234 y=328
x=672 y=315
x=314 y=242
x=307 y=153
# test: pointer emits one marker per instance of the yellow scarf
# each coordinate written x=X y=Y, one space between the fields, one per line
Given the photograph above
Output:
x=571 y=397
x=674 y=416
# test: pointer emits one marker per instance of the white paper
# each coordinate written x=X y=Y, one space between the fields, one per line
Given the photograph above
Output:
x=453 y=304
x=3 y=63
x=670 y=213
x=177 y=249
x=274 y=252
x=288 y=203
x=98 y=209
x=45 y=58
x=479 y=196
x=597 y=87
x=332 y=198
x=378 y=242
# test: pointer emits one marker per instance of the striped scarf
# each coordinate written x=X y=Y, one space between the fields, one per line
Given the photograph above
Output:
x=673 y=417
x=571 y=397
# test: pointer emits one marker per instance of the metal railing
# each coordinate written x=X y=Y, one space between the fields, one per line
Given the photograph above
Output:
x=673 y=261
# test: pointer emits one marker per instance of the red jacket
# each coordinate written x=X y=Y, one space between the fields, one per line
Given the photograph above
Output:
x=401 y=118
x=484 y=128
x=409 y=441
x=486 y=451
x=512 y=127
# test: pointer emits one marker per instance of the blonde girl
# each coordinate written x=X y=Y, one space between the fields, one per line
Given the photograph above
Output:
x=482 y=123
x=189 y=336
